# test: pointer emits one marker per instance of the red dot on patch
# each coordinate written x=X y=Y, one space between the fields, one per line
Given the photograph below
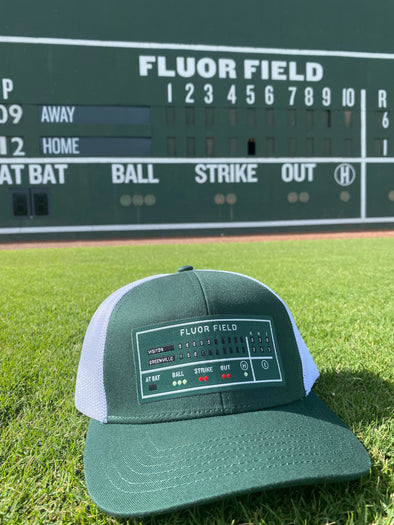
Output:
x=200 y=379
x=228 y=375
x=206 y=378
x=223 y=376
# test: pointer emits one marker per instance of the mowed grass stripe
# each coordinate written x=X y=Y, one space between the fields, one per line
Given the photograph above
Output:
x=341 y=295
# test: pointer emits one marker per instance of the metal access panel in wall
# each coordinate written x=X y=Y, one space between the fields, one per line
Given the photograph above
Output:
x=146 y=117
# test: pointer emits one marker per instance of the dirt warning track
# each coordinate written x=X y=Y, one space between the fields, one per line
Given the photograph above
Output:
x=74 y=243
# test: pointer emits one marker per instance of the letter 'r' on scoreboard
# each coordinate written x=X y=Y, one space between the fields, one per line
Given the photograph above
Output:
x=253 y=117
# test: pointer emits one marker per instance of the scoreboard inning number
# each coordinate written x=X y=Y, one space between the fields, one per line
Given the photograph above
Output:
x=309 y=96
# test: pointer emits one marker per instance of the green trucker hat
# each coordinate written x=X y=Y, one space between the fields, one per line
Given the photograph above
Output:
x=198 y=386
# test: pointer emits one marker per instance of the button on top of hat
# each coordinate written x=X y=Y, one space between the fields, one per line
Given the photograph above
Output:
x=186 y=268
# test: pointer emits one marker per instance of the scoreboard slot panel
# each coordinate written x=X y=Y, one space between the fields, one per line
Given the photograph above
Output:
x=286 y=133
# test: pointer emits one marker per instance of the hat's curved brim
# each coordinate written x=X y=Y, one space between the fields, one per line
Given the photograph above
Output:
x=134 y=470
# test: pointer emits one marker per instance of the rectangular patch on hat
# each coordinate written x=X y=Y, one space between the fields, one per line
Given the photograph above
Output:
x=204 y=355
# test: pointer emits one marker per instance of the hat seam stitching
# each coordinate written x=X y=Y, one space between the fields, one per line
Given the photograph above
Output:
x=195 y=412
x=158 y=418
x=241 y=469
x=203 y=294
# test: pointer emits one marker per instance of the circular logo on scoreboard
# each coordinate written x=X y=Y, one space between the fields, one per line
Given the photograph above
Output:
x=344 y=174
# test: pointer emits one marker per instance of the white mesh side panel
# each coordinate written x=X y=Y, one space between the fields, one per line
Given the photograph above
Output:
x=90 y=396
x=310 y=371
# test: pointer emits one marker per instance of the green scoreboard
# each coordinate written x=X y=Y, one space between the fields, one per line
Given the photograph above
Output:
x=133 y=118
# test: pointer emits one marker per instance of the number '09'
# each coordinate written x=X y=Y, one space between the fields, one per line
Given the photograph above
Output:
x=11 y=113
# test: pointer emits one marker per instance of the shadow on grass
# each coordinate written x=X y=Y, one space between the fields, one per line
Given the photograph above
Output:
x=359 y=398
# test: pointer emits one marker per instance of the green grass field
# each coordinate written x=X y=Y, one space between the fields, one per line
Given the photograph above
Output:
x=341 y=295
